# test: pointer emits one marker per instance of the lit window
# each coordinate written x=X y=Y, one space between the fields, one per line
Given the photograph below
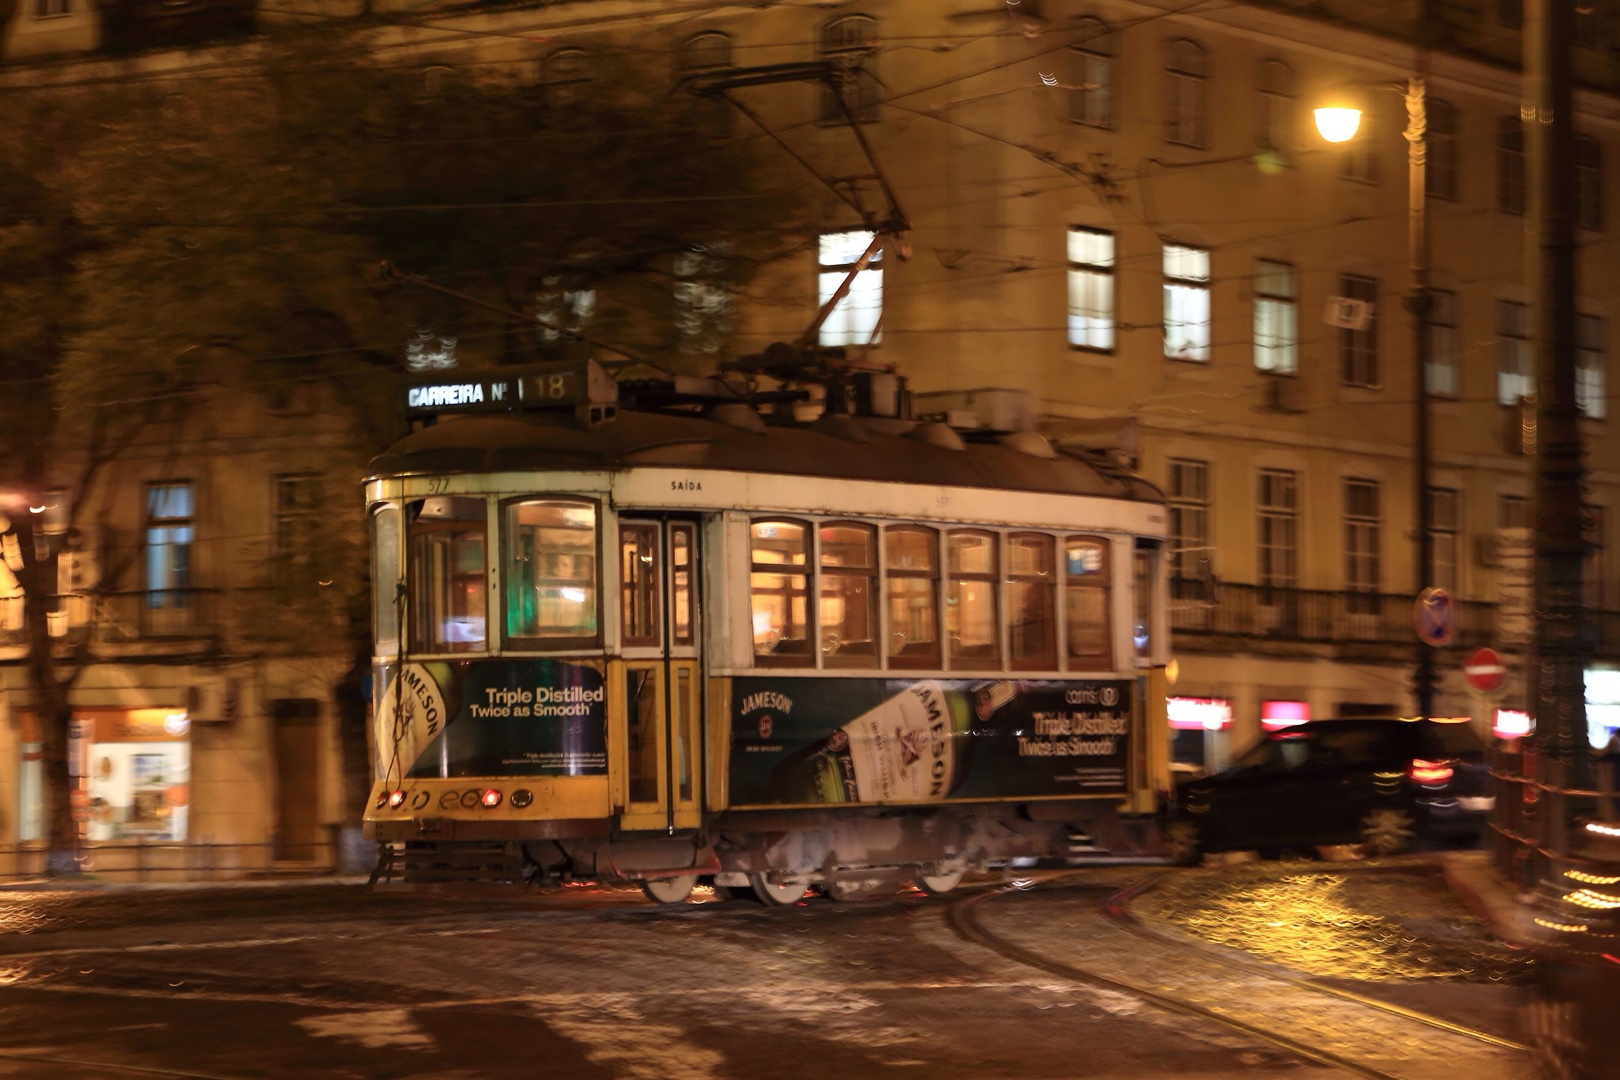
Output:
x=1091 y=289
x=911 y=556
x=561 y=309
x=1091 y=74
x=848 y=588
x=1184 y=93
x=1590 y=380
x=1510 y=165
x=703 y=304
x=1086 y=604
x=1276 y=91
x=551 y=574
x=447 y=599
x=1276 y=319
x=858 y=316
x=780 y=586
x=971 y=618
x=1358 y=345
x=849 y=44
x=170 y=532
x=1442 y=377
x=1515 y=373
x=1440 y=140
x=1186 y=303
x=1031 y=602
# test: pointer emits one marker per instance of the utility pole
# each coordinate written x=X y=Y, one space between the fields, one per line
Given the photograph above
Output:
x=1557 y=668
x=1418 y=302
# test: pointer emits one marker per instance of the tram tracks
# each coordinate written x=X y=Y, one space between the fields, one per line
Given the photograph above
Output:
x=965 y=916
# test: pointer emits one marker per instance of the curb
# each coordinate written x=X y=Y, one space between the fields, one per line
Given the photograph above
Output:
x=92 y=885
x=1490 y=899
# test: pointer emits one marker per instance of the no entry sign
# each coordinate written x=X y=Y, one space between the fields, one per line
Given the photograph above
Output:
x=1485 y=671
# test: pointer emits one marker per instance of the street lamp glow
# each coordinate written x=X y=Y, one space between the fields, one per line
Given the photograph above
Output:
x=1338 y=125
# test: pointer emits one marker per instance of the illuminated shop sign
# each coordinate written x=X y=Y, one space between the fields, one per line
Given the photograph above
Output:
x=1276 y=715
x=1199 y=714
x=1511 y=723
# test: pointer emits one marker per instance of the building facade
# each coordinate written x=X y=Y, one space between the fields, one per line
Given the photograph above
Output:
x=1122 y=208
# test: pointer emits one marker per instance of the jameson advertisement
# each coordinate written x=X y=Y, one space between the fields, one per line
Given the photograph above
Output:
x=492 y=718
x=796 y=741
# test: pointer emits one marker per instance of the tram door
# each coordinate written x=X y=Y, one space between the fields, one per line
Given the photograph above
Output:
x=658 y=620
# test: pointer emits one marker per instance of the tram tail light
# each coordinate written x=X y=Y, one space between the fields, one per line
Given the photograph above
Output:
x=491 y=798
x=1429 y=772
x=382 y=799
x=396 y=799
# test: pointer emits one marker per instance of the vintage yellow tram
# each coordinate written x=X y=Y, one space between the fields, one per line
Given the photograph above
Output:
x=646 y=632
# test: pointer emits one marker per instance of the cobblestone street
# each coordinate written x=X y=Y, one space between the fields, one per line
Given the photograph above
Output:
x=334 y=981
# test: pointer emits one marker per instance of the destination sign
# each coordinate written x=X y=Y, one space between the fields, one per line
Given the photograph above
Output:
x=537 y=387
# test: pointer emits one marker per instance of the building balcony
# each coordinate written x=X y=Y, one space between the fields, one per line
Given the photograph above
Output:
x=124 y=618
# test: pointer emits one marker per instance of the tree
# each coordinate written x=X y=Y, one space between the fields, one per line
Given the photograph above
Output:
x=182 y=238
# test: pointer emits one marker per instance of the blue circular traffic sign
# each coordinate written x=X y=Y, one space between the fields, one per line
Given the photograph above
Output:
x=1435 y=617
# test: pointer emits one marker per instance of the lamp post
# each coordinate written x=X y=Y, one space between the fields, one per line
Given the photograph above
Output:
x=1338 y=123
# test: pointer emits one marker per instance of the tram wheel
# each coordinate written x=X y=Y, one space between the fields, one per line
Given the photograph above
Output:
x=775 y=892
x=942 y=881
x=673 y=890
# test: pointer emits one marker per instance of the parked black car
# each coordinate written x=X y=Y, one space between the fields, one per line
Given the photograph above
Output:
x=1383 y=783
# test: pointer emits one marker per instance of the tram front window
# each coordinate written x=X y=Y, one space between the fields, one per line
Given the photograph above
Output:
x=385 y=580
x=970 y=605
x=447 y=574
x=848 y=595
x=1031 y=602
x=1085 y=604
x=912 y=555
x=780 y=584
x=551 y=579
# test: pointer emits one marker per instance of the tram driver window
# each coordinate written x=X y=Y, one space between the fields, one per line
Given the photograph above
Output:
x=912 y=557
x=447 y=600
x=848 y=595
x=970 y=605
x=385 y=579
x=1085 y=603
x=551 y=578
x=780 y=584
x=1031 y=602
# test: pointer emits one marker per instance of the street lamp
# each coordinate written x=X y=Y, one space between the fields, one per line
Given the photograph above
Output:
x=1338 y=121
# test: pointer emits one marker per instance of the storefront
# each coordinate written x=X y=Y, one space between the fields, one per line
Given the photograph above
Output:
x=131 y=770
x=1198 y=733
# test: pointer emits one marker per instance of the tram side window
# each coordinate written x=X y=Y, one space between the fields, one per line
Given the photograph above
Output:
x=971 y=620
x=1085 y=593
x=680 y=551
x=385 y=580
x=1031 y=602
x=638 y=577
x=779 y=582
x=551 y=574
x=912 y=557
x=1147 y=572
x=848 y=585
x=447 y=593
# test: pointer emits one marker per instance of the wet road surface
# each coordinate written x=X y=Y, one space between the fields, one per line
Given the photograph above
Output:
x=331 y=981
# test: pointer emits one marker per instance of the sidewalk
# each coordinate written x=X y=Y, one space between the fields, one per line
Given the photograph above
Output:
x=92 y=883
x=1489 y=897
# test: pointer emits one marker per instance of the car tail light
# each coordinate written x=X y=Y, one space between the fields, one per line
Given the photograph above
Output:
x=1429 y=772
x=396 y=798
x=490 y=798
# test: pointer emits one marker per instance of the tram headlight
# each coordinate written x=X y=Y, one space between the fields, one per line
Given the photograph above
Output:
x=396 y=799
x=490 y=798
x=520 y=798
x=382 y=799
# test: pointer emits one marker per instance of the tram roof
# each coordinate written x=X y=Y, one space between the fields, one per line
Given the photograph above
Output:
x=558 y=442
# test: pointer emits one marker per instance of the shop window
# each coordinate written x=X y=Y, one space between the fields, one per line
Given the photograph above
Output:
x=551 y=574
x=447 y=567
x=848 y=595
x=139 y=765
x=971 y=607
x=385 y=597
x=1085 y=603
x=638 y=584
x=911 y=556
x=779 y=582
x=1031 y=602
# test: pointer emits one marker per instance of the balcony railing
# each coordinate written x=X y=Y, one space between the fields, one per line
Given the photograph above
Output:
x=123 y=617
x=1308 y=615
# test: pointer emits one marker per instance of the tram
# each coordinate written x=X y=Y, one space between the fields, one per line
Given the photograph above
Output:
x=660 y=631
